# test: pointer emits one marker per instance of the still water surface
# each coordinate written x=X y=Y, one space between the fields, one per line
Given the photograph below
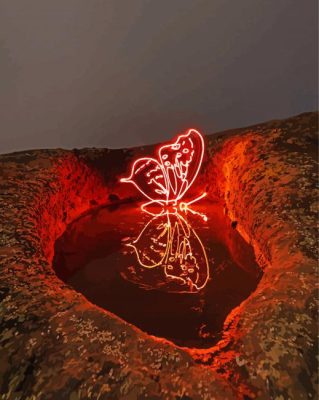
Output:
x=173 y=275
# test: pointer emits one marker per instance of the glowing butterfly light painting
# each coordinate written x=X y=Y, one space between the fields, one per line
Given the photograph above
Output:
x=168 y=241
x=170 y=246
x=166 y=181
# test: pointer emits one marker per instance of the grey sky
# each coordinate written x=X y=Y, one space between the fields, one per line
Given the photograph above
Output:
x=113 y=73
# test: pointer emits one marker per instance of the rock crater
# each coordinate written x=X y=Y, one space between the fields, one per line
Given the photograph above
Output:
x=54 y=344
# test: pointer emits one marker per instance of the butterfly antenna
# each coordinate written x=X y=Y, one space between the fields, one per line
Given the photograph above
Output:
x=185 y=207
x=197 y=199
x=196 y=213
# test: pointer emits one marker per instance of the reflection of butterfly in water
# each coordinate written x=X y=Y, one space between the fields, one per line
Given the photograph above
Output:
x=166 y=180
x=169 y=242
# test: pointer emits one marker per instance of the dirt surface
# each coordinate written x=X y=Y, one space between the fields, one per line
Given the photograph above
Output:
x=54 y=344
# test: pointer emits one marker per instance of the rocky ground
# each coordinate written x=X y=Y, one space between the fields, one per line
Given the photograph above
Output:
x=54 y=344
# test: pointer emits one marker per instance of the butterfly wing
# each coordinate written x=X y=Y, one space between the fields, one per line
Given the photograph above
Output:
x=148 y=175
x=181 y=162
x=186 y=259
x=169 y=243
x=151 y=244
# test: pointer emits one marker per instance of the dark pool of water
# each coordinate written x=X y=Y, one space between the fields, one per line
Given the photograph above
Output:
x=173 y=276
